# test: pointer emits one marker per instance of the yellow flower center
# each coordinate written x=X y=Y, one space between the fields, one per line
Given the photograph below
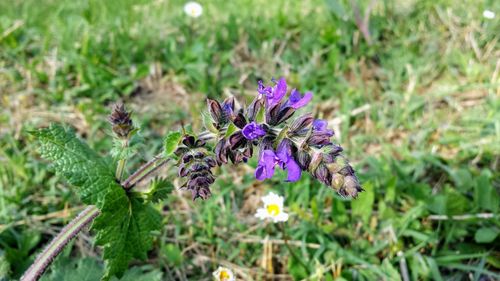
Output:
x=223 y=275
x=273 y=209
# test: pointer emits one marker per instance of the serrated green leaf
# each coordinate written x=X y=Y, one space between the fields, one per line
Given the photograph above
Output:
x=159 y=190
x=77 y=162
x=137 y=274
x=124 y=229
x=125 y=224
x=486 y=234
x=172 y=141
x=85 y=269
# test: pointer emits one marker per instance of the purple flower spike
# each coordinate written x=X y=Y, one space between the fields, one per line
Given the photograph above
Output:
x=283 y=158
x=274 y=94
x=298 y=101
x=253 y=131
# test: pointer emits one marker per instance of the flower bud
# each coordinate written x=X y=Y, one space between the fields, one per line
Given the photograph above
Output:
x=120 y=121
x=301 y=124
x=215 y=110
x=253 y=109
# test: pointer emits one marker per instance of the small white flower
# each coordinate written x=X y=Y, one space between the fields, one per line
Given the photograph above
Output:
x=223 y=274
x=488 y=14
x=193 y=9
x=273 y=208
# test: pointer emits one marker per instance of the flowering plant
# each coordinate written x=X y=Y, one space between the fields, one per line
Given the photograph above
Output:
x=123 y=216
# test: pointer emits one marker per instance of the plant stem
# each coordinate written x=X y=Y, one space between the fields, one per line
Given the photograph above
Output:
x=120 y=168
x=145 y=170
x=46 y=257
x=292 y=252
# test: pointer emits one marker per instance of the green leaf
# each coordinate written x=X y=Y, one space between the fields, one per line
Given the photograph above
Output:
x=124 y=229
x=208 y=122
x=172 y=254
x=85 y=269
x=485 y=196
x=159 y=190
x=486 y=235
x=125 y=224
x=77 y=162
x=138 y=274
x=4 y=267
x=363 y=205
x=172 y=141
x=336 y=7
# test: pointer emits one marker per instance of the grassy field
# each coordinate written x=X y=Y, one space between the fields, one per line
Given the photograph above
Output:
x=417 y=110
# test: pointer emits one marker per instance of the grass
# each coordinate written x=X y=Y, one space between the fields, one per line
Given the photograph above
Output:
x=417 y=111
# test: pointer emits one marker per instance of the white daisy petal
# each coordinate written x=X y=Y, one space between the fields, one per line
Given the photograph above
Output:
x=282 y=217
x=223 y=274
x=273 y=198
x=193 y=9
x=261 y=213
x=273 y=208
x=488 y=14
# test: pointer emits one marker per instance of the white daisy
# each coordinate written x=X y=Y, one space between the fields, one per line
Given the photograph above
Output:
x=488 y=14
x=193 y=9
x=223 y=274
x=273 y=208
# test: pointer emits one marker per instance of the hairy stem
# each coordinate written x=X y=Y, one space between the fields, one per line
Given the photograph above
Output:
x=120 y=168
x=46 y=257
x=145 y=170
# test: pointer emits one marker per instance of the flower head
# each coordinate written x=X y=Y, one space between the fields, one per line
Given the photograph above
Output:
x=253 y=131
x=121 y=121
x=294 y=144
x=488 y=14
x=273 y=208
x=223 y=274
x=283 y=157
x=193 y=9
x=273 y=94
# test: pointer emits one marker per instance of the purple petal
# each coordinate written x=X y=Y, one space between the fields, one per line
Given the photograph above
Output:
x=253 y=131
x=284 y=151
x=279 y=91
x=293 y=169
x=264 y=90
x=294 y=96
x=265 y=169
x=302 y=101
x=260 y=173
x=319 y=125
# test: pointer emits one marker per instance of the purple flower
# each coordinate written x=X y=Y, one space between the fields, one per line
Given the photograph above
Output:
x=320 y=125
x=283 y=158
x=296 y=100
x=253 y=131
x=273 y=94
x=320 y=135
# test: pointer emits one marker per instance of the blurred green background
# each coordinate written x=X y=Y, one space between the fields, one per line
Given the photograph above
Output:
x=416 y=108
